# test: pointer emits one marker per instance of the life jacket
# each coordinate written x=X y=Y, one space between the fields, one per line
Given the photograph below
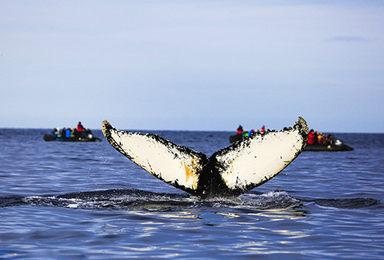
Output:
x=68 y=133
x=320 y=139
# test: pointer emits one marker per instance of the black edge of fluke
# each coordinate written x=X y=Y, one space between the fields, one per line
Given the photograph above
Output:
x=106 y=127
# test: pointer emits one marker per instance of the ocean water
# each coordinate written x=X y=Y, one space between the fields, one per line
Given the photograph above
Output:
x=86 y=201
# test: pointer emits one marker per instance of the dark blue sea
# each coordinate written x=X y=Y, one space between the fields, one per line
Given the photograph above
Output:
x=61 y=200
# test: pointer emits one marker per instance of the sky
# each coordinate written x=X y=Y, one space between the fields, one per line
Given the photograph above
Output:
x=192 y=65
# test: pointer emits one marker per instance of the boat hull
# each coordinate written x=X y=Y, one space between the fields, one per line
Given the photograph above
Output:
x=49 y=138
x=309 y=147
x=327 y=148
x=234 y=138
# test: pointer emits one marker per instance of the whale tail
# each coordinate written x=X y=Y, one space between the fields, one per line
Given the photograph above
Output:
x=231 y=171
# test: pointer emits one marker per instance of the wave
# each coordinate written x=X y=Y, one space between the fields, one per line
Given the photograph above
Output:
x=353 y=203
x=121 y=199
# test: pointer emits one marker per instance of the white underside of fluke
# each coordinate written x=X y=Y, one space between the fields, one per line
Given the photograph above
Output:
x=166 y=161
x=259 y=159
x=242 y=166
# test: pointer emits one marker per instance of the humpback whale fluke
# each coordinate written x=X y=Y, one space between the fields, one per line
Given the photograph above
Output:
x=230 y=171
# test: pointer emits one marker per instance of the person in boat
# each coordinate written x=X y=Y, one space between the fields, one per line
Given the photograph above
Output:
x=76 y=133
x=80 y=129
x=240 y=130
x=88 y=133
x=330 y=140
x=72 y=134
x=248 y=133
x=63 y=132
x=68 y=133
x=54 y=132
x=320 y=138
x=58 y=133
x=312 y=137
x=262 y=131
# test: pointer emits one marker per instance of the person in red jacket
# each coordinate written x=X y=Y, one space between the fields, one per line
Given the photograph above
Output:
x=312 y=137
x=262 y=129
x=240 y=130
x=80 y=129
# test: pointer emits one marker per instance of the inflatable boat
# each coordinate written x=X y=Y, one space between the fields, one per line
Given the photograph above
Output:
x=337 y=146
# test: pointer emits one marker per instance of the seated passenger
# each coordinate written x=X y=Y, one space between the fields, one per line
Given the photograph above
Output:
x=88 y=134
x=73 y=133
x=240 y=130
x=330 y=139
x=80 y=127
x=54 y=131
x=63 y=133
x=58 y=133
x=320 y=138
x=68 y=133
x=262 y=130
x=312 y=138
